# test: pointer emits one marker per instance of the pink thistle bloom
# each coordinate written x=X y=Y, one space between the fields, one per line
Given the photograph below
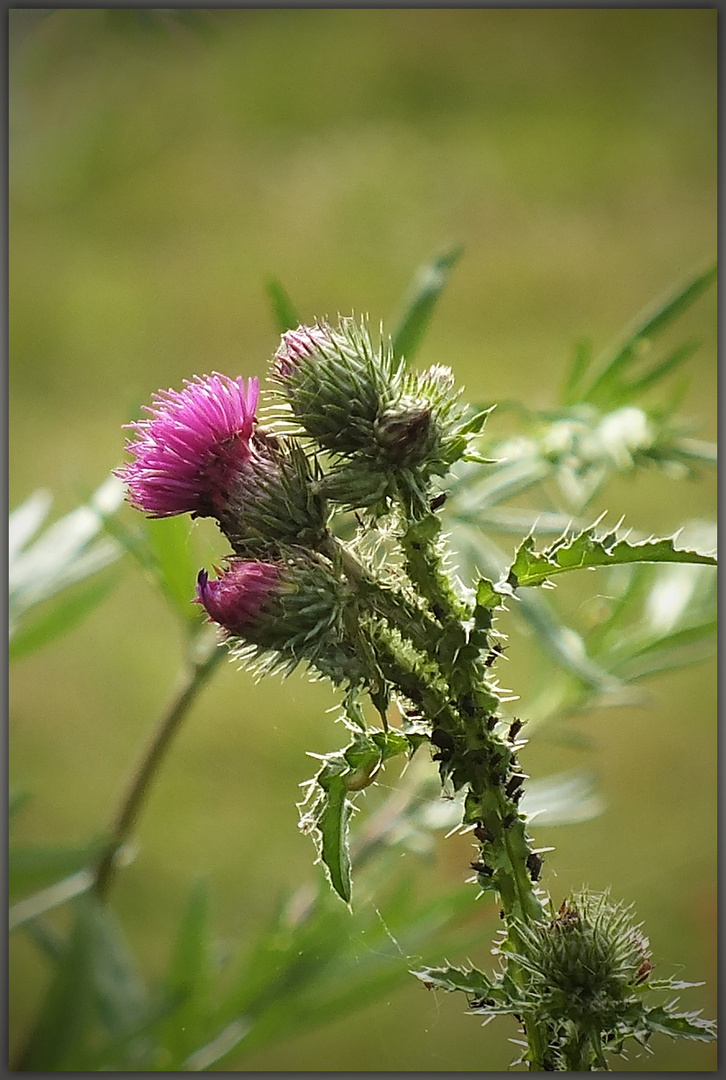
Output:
x=191 y=448
x=236 y=599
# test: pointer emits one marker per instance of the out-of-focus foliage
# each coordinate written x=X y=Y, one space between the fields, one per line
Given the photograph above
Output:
x=68 y=552
x=159 y=172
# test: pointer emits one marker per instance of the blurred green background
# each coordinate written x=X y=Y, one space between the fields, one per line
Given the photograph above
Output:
x=161 y=169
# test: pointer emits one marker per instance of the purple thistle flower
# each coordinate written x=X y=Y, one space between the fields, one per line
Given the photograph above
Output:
x=189 y=450
x=236 y=599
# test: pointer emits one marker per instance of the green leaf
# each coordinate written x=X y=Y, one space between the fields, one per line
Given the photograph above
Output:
x=580 y=363
x=31 y=868
x=487 y=596
x=469 y=980
x=679 y=649
x=587 y=551
x=57 y=1039
x=65 y=553
x=680 y=1025
x=58 y=615
x=473 y=425
x=174 y=564
x=659 y=370
x=283 y=310
x=187 y=982
x=420 y=301
x=343 y=772
x=650 y=325
x=333 y=826
x=120 y=997
x=17 y=799
x=96 y=1003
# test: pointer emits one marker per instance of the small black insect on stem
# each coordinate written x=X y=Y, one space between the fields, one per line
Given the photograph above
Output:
x=496 y=651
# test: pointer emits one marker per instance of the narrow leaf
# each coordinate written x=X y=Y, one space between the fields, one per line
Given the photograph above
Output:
x=647 y=328
x=119 y=995
x=333 y=826
x=64 y=553
x=187 y=981
x=283 y=310
x=25 y=521
x=57 y=1037
x=31 y=868
x=26 y=912
x=420 y=301
x=570 y=391
x=658 y=371
x=174 y=566
x=59 y=615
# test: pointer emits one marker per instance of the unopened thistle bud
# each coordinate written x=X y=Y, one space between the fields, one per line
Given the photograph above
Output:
x=391 y=430
x=188 y=452
x=586 y=963
x=292 y=608
x=336 y=382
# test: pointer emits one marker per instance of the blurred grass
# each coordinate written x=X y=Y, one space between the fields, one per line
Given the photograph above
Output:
x=159 y=175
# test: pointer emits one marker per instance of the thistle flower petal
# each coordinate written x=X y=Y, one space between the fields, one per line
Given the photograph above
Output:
x=187 y=452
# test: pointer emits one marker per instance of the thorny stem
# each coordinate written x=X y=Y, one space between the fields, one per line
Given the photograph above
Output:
x=198 y=671
x=406 y=617
x=508 y=843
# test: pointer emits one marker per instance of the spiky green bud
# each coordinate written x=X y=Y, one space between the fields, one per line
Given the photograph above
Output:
x=390 y=431
x=337 y=382
x=274 y=500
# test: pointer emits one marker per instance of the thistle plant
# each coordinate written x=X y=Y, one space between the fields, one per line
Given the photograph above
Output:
x=360 y=501
x=331 y=502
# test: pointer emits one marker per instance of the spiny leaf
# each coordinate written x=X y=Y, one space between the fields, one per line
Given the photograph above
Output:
x=487 y=597
x=420 y=301
x=586 y=551
x=452 y=978
x=349 y=770
x=681 y=1025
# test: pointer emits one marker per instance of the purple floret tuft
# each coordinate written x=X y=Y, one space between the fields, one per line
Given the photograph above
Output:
x=188 y=451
